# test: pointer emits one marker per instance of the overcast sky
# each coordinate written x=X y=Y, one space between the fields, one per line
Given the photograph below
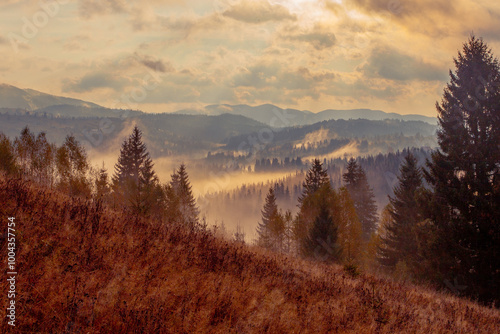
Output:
x=165 y=55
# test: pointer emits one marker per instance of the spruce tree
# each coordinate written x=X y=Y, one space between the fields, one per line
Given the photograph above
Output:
x=363 y=197
x=309 y=205
x=135 y=183
x=316 y=176
x=399 y=242
x=321 y=242
x=465 y=172
x=271 y=230
x=101 y=183
x=182 y=206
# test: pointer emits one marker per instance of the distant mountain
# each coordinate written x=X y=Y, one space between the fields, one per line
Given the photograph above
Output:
x=369 y=114
x=201 y=127
x=215 y=127
x=277 y=117
x=349 y=129
x=16 y=101
x=29 y=99
x=65 y=110
x=165 y=133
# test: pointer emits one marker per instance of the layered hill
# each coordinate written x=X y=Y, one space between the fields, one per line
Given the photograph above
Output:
x=17 y=101
x=29 y=99
x=276 y=116
x=85 y=268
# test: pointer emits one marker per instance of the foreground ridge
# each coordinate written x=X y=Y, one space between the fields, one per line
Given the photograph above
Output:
x=85 y=268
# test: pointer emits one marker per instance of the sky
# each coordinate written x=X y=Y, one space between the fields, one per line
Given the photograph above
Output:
x=166 y=55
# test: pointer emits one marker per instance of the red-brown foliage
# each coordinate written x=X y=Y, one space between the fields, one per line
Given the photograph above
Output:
x=83 y=268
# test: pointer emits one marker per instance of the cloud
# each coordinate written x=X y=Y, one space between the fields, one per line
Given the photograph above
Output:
x=258 y=12
x=90 y=8
x=156 y=65
x=279 y=83
x=77 y=43
x=189 y=24
x=320 y=37
x=409 y=8
x=437 y=18
x=388 y=63
x=92 y=81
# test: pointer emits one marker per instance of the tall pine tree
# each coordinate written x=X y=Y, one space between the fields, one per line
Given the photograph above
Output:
x=316 y=178
x=465 y=171
x=135 y=183
x=321 y=240
x=181 y=204
x=271 y=230
x=399 y=242
x=364 y=200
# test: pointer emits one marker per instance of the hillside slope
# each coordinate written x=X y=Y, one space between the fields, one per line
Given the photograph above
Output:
x=29 y=99
x=279 y=117
x=84 y=268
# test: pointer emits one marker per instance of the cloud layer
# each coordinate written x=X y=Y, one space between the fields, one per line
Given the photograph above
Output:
x=164 y=55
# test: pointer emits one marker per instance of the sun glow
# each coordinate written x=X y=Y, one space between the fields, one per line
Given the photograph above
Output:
x=309 y=8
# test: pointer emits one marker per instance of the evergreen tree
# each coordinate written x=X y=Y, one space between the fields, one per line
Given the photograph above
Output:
x=465 y=172
x=7 y=158
x=135 y=183
x=309 y=201
x=239 y=235
x=101 y=183
x=181 y=202
x=363 y=197
x=316 y=176
x=399 y=242
x=271 y=229
x=321 y=241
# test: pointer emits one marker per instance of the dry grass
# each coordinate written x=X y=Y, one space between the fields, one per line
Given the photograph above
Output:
x=86 y=269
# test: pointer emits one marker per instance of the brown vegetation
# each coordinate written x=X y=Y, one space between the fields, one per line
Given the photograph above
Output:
x=83 y=268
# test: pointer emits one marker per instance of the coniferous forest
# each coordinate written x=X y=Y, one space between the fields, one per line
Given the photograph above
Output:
x=337 y=243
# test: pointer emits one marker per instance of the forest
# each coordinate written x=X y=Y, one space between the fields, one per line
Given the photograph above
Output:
x=439 y=226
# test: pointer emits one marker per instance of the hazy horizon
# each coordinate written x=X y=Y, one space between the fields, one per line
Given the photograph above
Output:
x=303 y=54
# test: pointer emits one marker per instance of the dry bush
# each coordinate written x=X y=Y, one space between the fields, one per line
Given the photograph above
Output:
x=84 y=268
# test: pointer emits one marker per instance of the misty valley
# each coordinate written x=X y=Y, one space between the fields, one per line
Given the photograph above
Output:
x=238 y=218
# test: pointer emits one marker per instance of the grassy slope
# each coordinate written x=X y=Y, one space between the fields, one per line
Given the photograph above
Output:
x=86 y=269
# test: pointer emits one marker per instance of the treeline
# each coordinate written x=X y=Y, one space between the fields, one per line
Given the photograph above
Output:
x=133 y=187
x=353 y=128
x=442 y=224
x=332 y=225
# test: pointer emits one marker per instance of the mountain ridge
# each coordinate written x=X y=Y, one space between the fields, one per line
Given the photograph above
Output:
x=18 y=100
x=284 y=117
x=31 y=100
